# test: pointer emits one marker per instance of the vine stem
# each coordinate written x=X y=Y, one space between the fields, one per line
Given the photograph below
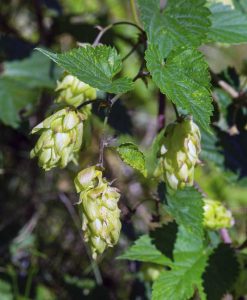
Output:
x=105 y=29
x=161 y=111
x=134 y=12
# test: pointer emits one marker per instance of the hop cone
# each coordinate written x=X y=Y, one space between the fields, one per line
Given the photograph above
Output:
x=74 y=92
x=216 y=216
x=101 y=215
x=60 y=139
x=179 y=154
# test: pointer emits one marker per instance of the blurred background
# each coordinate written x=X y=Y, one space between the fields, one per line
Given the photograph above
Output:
x=42 y=253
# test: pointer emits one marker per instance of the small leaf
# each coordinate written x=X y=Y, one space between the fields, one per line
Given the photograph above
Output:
x=133 y=157
x=144 y=250
x=184 y=79
x=96 y=66
x=228 y=25
x=221 y=272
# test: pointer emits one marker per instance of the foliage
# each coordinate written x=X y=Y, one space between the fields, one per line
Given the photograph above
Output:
x=93 y=76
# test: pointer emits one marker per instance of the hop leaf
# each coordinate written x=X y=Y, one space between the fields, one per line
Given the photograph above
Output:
x=101 y=215
x=216 y=216
x=179 y=154
x=60 y=140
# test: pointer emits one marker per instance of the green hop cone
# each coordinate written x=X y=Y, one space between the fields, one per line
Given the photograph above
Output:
x=101 y=215
x=216 y=216
x=60 y=139
x=74 y=92
x=179 y=154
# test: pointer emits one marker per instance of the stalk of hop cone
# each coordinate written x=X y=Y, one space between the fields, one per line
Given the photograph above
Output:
x=179 y=154
x=74 y=92
x=60 y=139
x=216 y=216
x=101 y=215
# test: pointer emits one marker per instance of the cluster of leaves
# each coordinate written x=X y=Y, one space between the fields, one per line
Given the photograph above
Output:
x=193 y=259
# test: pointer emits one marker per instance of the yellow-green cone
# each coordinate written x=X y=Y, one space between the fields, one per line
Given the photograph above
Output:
x=216 y=216
x=60 y=139
x=179 y=153
x=101 y=215
x=74 y=92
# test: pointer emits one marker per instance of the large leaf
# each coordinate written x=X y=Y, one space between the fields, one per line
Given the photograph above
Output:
x=228 y=25
x=132 y=156
x=180 y=282
x=144 y=250
x=182 y=23
x=14 y=96
x=221 y=272
x=36 y=71
x=190 y=257
x=184 y=79
x=96 y=66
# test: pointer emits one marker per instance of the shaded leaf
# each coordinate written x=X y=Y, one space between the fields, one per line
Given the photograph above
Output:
x=228 y=25
x=221 y=272
x=14 y=96
x=36 y=71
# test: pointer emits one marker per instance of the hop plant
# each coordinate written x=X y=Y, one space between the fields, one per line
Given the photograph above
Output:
x=74 y=92
x=179 y=154
x=101 y=215
x=60 y=139
x=216 y=216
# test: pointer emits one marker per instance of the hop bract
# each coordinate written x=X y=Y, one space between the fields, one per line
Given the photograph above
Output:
x=216 y=216
x=60 y=139
x=179 y=153
x=74 y=92
x=101 y=215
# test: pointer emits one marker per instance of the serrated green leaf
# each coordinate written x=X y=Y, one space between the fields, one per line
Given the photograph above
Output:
x=182 y=23
x=35 y=71
x=133 y=157
x=228 y=25
x=14 y=96
x=186 y=206
x=190 y=257
x=144 y=250
x=180 y=282
x=184 y=79
x=221 y=272
x=96 y=66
